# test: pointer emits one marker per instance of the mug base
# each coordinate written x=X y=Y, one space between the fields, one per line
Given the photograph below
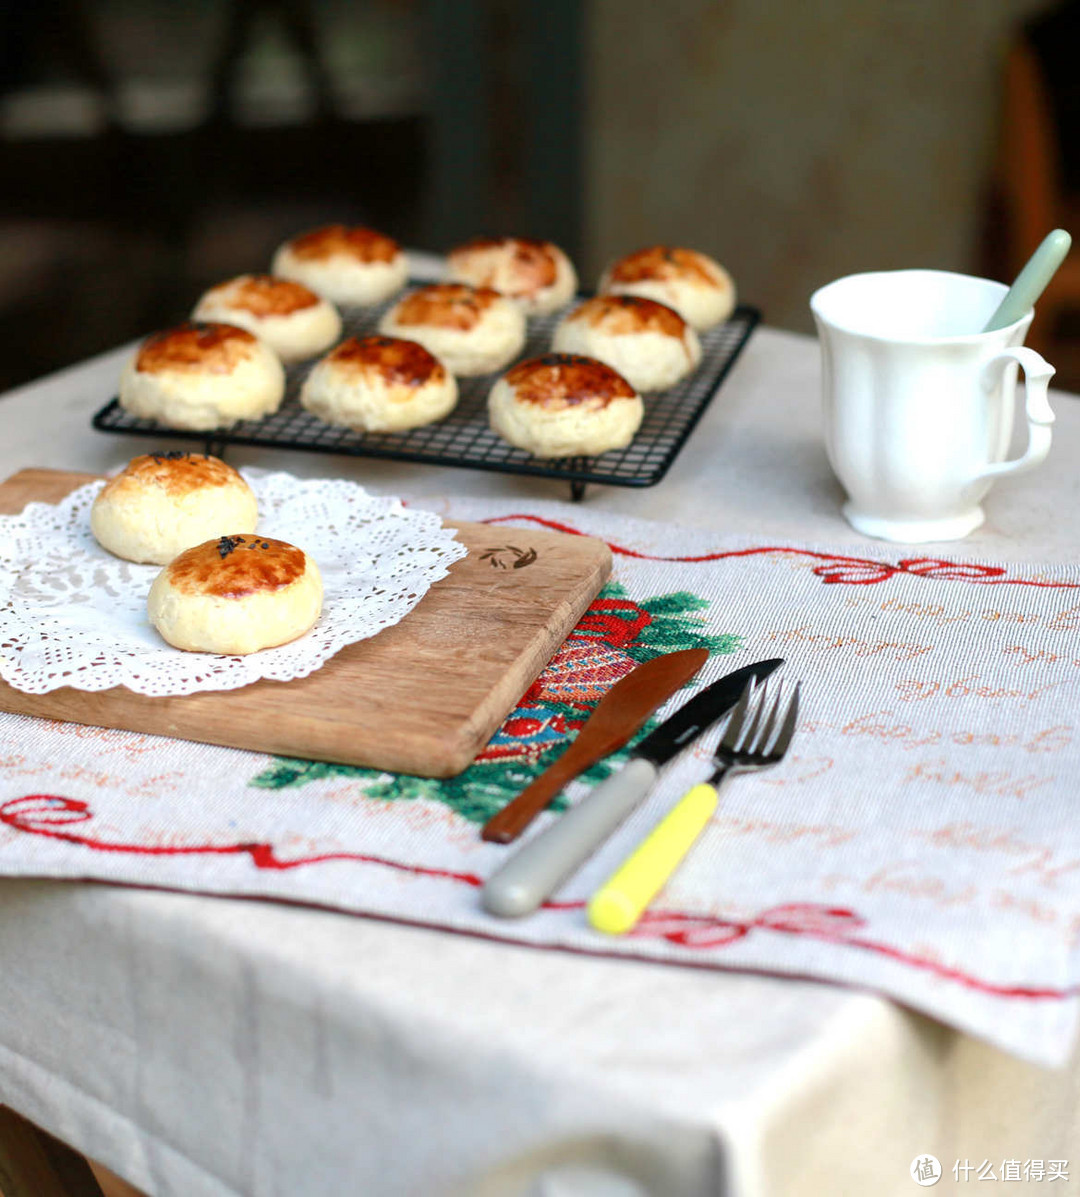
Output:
x=953 y=527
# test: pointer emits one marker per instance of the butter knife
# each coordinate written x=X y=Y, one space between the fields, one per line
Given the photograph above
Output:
x=622 y=710
x=541 y=865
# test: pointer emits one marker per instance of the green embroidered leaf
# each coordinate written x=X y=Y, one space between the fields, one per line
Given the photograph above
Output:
x=666 y=639
x=678 y=603
x=286 y=771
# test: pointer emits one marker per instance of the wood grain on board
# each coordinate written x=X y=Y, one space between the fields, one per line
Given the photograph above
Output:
x=422 y=697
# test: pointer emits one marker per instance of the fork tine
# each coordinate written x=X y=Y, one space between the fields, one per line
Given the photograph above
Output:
x=733 y=731
x=787 y=729
x=753 y=720
x=766 y=735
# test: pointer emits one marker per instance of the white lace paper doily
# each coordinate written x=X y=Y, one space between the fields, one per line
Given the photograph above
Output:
x=72 y=614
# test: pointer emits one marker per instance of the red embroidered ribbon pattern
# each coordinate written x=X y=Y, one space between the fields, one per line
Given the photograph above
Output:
x=51 y=816
x=835 y=569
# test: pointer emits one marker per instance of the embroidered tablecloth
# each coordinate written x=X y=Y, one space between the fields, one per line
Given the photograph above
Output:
x=920 y=839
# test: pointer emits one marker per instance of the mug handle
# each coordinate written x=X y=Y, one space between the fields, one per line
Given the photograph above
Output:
x=1037 y=375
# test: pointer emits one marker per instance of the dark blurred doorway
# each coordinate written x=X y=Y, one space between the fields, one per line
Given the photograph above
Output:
x=149 y=149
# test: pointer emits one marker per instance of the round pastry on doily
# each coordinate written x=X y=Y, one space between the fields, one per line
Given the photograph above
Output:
x=74 y=616
x=294 y=321
x=563 y=405
x=236 y=595
x=163 y=503
x=472 y=330
x=537 y=275
x=202 y=376
x=345 y=265
x=692 y=283
x=649 y=344
x=379 y=384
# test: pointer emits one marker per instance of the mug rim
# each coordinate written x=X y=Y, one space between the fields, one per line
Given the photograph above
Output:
x=885 y=338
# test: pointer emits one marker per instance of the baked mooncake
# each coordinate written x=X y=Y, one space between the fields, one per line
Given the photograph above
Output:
x=648 y=343
x=379 y=384
x=563 y=405
x=202 y=376
x=692 y=283
x=347 y=265
x=537 y=275
x=163 y=503
x=471 y=330
x=237 y=594
x=294 y=321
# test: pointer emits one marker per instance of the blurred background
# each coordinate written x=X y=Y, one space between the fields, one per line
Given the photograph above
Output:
x=150 y=148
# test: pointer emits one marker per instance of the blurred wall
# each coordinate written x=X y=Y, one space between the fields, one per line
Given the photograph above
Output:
x=795 y=141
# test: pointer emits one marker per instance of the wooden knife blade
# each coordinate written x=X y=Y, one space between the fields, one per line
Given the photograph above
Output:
x=622 y=710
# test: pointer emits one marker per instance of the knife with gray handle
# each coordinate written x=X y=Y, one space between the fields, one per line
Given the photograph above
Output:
x=521 y=884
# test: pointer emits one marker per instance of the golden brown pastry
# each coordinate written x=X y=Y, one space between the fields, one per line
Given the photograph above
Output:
x=345 y=265
x=235 y=595
x=692 y=283
x=471 y=330
x=537 y=275
x=294 y=321
x=379 y=384
x=163 y=503
x=202 y=376
x=563 y=405
x=649 y=344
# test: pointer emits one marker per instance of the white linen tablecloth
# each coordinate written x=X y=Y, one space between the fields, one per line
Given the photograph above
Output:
x=203 y=1046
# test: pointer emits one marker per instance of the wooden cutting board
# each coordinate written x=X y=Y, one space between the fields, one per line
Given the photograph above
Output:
x=422 y=697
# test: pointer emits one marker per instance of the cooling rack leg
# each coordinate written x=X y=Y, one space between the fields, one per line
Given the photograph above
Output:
x=215 y=447
x=577 y=490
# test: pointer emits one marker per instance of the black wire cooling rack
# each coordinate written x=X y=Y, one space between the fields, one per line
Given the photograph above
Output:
x=463 y=438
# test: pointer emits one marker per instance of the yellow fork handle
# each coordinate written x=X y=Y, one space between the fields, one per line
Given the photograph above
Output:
x=617 y=904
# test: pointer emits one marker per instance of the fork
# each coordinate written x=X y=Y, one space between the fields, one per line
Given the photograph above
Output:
x=757 y=736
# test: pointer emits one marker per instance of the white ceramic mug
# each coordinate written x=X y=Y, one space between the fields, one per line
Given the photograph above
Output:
x=918 y=403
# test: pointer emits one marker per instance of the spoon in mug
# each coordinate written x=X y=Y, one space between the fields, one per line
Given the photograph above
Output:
x=1032 y=280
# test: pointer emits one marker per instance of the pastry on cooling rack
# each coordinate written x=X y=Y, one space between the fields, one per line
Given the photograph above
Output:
x=163 y=503
x=379 y=384
x=236 y=594
x=535 y=274
x=202 y=376
x=471 y=330
x=564 y=405
x=649 y=344
x=294 y=321
x=345 y=265
x=692 y=283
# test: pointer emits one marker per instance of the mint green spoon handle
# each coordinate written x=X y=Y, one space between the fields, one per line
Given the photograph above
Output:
x=1031 y=281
